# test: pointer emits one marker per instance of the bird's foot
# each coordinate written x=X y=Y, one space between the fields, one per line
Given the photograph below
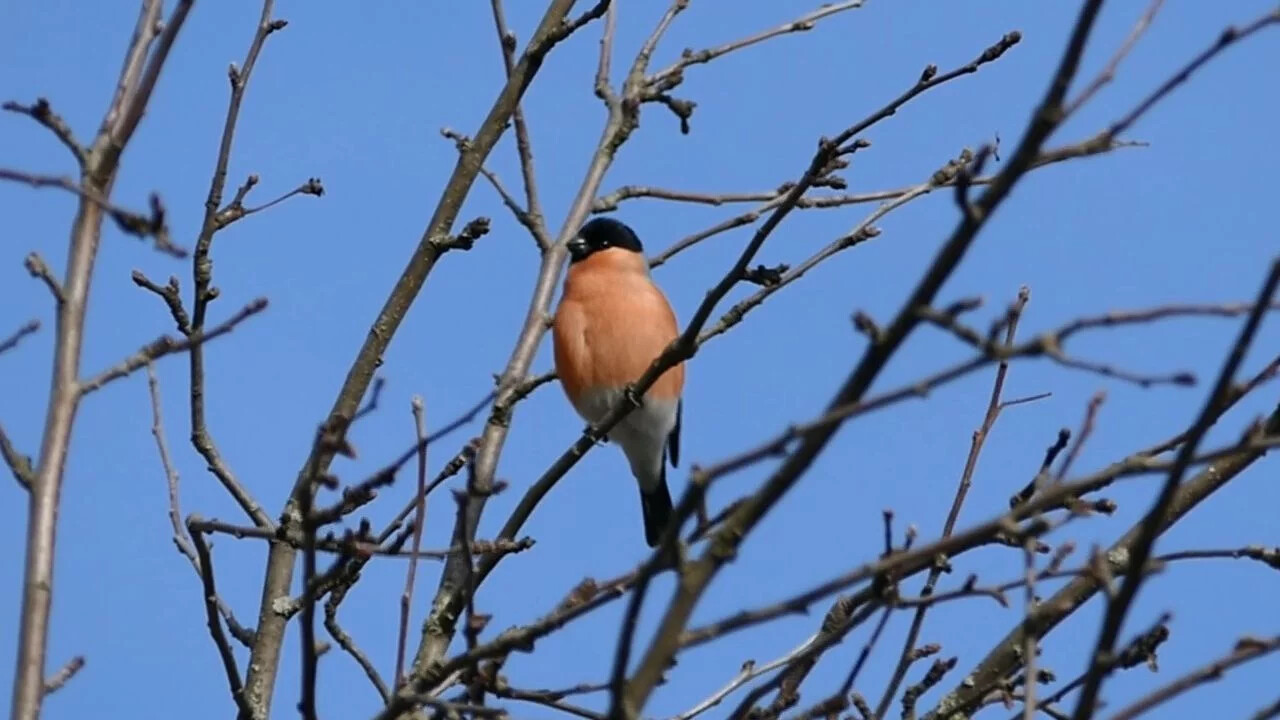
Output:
x=590 y=432
x=629 y=392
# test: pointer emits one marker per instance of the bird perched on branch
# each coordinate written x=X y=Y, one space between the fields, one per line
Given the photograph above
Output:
x=611 y=324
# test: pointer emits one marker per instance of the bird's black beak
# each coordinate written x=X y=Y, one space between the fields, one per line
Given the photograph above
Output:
x=577 y=248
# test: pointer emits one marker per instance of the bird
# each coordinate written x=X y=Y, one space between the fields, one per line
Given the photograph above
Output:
x=612 y=322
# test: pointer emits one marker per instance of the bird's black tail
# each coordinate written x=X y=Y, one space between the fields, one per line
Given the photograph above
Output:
x=656 y=505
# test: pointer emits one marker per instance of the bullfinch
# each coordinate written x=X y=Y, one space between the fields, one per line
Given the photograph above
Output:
x=611 y=324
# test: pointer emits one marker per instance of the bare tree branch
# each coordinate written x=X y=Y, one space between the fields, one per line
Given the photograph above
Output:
x=12 y=341
x=167 y=345
x=64 y=675
x=138 y=77
x=531 y=215
x=43 y=113
x=215 y=624
x=151 y=225
x=419 y=517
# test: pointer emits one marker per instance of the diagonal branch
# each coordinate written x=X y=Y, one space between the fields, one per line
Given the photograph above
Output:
x=803 y=23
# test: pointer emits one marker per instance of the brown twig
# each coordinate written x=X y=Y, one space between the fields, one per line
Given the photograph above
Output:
x=806 y=22
x=18 y=463
x=215 y=624
x=236 y=209
x=844 y=615
x=366 y=547
x=12 y=341
x=151 y=225
x=172 y=297
x=310 y=594
x=64 y=675
x=180 y=538
x=502 y=690
x=43 y=113
x=1246 y=649
x=1270 y=712
x=1226 y=38
x=605 y=203
x=523 y=216
x=39 y=269
x=345 y=641
x=531 y=215
x=1086 y=429
x=1004 y=657
x=167 y=345
x=1109 y=72
x=749 y=671
x=603 y=85
x=420 y=514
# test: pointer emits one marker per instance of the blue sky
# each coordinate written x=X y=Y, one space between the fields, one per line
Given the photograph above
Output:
x=356 y=93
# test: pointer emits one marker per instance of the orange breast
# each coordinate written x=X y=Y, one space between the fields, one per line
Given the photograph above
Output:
x=611 y=324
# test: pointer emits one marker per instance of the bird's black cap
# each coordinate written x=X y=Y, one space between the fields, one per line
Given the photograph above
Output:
x=601 y=234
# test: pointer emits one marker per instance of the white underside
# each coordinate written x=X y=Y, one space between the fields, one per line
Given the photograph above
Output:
x=642 y=434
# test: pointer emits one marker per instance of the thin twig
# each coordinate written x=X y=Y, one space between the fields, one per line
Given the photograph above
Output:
x=1109 y=72
x=750 y=671
x=1246 y=649
x=236 y=210
x=215 y=625
x=12 y=341
x=150 y=225
x=976 y=444
x=39 y=269
x=420 y=513
x=345 y=641
x=167 y=345
x=181 y=540
x=64 y=675
x=18 y=463
x=43 y=113
x=801 y=24
x=531 y=215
